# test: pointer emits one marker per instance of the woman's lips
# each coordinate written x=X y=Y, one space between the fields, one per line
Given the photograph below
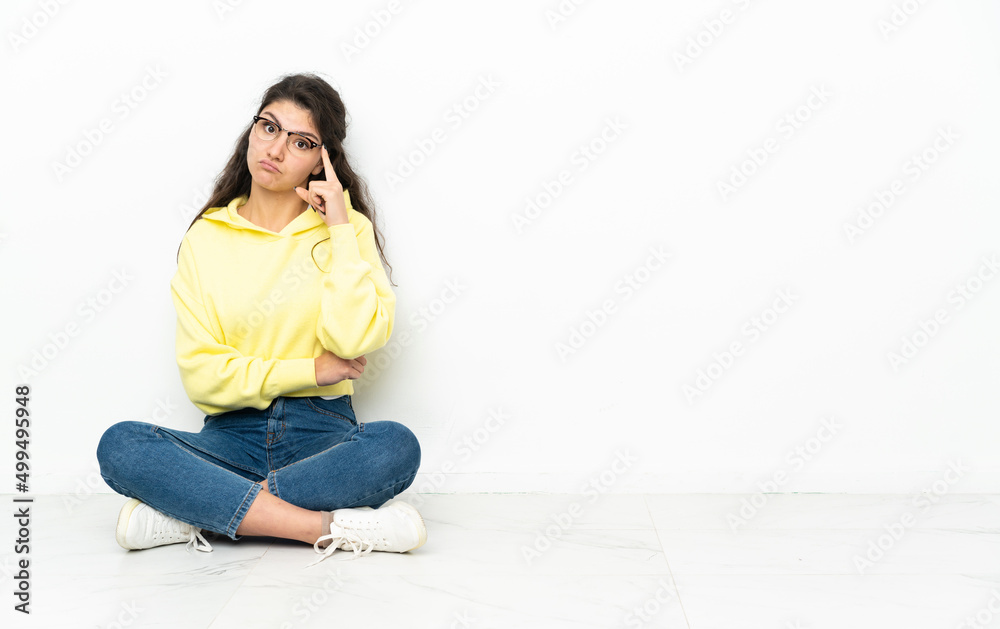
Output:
x=269 y=166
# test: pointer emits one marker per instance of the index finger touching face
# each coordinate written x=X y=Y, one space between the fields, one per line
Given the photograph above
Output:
x=327 y=165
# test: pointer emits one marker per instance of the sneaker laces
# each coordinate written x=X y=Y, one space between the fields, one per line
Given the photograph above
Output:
x=359 y=542
x=197 y=537
x=173 y=528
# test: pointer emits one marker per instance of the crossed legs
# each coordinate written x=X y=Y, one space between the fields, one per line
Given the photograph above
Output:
x=272 y=516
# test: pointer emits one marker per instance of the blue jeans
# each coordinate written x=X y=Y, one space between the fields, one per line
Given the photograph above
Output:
x=313 y=453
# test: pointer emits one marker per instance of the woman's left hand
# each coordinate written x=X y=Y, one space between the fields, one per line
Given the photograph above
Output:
x=327 y=197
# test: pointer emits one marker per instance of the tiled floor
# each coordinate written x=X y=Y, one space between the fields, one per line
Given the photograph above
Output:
x=807 y=561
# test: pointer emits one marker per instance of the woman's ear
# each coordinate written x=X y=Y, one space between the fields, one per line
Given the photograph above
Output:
x=318 y=169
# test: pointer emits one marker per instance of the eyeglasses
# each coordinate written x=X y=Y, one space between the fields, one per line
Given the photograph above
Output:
x=267 y=130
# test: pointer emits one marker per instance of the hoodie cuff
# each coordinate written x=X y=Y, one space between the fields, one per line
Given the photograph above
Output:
x=294 y=374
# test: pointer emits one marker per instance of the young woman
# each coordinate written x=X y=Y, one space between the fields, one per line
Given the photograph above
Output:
x=279 y=292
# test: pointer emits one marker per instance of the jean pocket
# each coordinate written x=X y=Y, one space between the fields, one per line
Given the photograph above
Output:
x=338 y=407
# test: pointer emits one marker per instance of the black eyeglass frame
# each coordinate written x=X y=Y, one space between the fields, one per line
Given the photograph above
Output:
x=256 y=119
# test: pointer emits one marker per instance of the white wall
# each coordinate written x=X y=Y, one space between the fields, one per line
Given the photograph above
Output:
x=865 y=105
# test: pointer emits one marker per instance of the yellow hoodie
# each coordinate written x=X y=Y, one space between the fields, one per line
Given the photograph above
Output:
x=254 y=311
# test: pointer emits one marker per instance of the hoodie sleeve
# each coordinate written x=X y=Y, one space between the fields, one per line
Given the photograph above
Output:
x=357 y=305
x=217 y=377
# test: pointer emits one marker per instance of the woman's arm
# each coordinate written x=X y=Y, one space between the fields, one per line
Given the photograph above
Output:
x=217 y=377
x=357 y=305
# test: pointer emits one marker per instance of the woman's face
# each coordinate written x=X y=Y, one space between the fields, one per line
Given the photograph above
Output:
x=272 y=165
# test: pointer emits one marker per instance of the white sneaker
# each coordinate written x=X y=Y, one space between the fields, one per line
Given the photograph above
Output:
x=395 y=527
x=141 y=526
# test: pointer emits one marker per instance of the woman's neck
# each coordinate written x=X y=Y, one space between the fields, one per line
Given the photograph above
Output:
x=271 y=210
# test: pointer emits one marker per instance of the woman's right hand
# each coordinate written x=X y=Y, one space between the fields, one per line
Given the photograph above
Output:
x=331 y=369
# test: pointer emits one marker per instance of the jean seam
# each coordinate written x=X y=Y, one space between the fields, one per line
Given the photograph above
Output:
x=274 y=473
x=237 y=519
x=192 y=453
x=353 y=422
x=118 y=488
x=212 y=454
x=272 y=484
x=390 y=486
x=311 y=456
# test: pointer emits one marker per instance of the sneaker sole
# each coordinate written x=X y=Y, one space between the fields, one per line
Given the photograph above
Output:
x=421 y=529
x=123 y=517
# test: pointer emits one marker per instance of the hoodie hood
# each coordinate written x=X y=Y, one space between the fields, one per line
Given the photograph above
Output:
x=299 y=227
